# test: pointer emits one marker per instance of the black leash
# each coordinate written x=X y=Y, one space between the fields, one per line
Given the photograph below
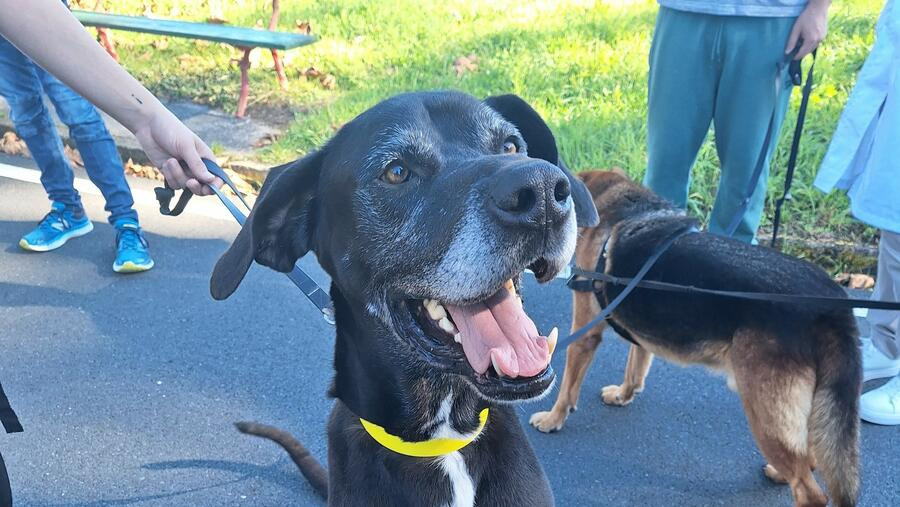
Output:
x=317 y=295
x=8 y=417
x=795 y=142
x=795 y=73
x=629 y=286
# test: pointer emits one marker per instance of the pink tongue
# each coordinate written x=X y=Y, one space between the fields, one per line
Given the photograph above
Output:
x=499 y=328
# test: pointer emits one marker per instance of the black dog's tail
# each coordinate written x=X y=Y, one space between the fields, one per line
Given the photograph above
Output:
x=309 y=467
x=834 y=425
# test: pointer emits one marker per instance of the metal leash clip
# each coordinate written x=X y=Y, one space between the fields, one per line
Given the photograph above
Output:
x=317 y=295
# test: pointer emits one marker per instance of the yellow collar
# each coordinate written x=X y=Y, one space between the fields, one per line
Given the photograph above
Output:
x=427 y=448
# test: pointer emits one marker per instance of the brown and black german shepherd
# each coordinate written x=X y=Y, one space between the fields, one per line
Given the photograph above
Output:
x=796 y=367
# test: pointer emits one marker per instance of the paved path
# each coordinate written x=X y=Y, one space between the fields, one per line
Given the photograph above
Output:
x=128 y=385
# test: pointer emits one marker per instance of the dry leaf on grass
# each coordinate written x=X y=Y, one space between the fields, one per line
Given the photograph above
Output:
x=311 y=73
x=12 y=145
x=859 y=281
x=160 y=44
x=329 y=82
x=465 y=64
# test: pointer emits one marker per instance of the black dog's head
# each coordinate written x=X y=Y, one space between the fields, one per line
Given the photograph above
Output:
x=423 y=209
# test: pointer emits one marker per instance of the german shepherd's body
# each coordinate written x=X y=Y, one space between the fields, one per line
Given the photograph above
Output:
x=796 y=367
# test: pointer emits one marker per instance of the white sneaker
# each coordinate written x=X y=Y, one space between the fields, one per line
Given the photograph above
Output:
x=876 y=364
x=882 y=405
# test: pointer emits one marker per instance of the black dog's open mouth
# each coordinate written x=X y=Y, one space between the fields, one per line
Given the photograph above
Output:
x=491 y=342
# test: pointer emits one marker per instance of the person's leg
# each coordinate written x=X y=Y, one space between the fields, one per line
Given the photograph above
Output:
x=21 y=87
x=681 y=93
x=884 y=323
x=882 y=356
x=752 y=47
x=98 y=150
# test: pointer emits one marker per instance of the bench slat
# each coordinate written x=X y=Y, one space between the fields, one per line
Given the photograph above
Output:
x=236 y=36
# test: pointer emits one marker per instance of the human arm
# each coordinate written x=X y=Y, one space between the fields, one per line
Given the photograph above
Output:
x=48 y=33
x=810 y=27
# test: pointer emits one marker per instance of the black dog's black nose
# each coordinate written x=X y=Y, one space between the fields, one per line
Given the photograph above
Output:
x=530 y=194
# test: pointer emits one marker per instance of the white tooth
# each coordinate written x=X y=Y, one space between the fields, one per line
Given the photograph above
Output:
x=496 y=367
x=551 y=339
x=457 y=338
x=435 y=310
x=446 y=325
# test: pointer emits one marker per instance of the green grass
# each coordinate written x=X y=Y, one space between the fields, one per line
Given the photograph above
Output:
x=582 y=64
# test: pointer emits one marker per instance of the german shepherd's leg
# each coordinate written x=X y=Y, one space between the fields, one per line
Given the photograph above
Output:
x=777 y=395
x=579 y=355
x=636 y=370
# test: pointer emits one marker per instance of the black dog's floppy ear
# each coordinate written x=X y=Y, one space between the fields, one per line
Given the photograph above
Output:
x=542 y=144
x=278 y=230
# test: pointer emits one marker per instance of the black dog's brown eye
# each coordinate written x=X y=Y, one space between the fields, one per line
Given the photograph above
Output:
x=395 y=174
x=510 y=147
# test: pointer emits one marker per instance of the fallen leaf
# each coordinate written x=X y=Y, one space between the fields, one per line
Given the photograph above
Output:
x=73 y=156
x=265 y=140
x=11 y=144
x=303 y=27
x=329 y=82
x=861 y=281
x=142 y=171
x=465 y=64
x=311 y=73
x=160 y=44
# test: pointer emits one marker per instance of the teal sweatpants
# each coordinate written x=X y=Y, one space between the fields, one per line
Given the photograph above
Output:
x=721 y=70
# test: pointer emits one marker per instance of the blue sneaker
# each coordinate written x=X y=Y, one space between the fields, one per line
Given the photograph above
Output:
x=132 y=255
x=59 y=226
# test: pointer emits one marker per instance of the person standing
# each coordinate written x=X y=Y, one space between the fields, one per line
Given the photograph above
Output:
x=864 y=159
x=714 y=61
x=24 y=85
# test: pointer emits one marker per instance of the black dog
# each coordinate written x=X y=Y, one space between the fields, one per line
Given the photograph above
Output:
x=425 y=210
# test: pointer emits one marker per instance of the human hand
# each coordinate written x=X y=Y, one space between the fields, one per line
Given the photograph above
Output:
x=810 y=28
x=167 y=140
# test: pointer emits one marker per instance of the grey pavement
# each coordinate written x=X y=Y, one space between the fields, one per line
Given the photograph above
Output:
x=128 y=385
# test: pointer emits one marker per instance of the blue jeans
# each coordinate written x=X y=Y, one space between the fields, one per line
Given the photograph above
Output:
x=23 y=85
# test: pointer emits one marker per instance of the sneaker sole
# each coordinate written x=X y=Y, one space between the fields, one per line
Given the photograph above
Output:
x=130 y=267
x=60 y=241
x=890 y=371
x=879 y=417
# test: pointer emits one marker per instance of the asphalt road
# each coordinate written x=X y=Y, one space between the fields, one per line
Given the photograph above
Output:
x=128 y=385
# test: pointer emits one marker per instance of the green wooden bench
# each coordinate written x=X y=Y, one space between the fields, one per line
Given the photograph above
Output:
x=245 y=39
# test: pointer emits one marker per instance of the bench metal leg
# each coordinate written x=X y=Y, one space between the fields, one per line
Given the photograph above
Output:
x=106 y=41
x=279 y=70
x=279 y=67
x=245 y=83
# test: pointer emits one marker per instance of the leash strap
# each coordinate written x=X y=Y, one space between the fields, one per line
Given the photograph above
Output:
x=7 y=416
x=795 y=142
x=427 y=448
x=318 y=296
x=632 y=283
x=593 y=281
x=793 y=68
